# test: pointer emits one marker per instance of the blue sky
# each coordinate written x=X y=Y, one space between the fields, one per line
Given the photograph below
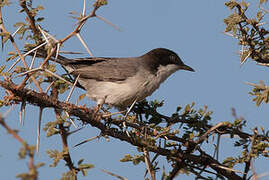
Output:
x=193 y=29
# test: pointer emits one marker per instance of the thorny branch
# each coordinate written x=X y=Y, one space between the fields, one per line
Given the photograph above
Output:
x=86 y=116
x=64 y=135
x=3 y=29
x=30 y=19
x=250 y=32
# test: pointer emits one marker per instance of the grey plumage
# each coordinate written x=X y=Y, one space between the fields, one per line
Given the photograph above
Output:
x=120 y=81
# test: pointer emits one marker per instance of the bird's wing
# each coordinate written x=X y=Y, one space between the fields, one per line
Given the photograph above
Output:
x=105 y=69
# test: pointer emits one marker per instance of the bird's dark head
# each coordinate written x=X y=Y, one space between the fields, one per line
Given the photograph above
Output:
x=165 y=57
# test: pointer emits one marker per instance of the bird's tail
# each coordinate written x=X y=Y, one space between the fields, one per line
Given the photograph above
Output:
x=41 y=53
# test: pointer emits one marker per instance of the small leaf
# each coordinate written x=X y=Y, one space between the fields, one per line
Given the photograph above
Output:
x=80 y=98
x=2 y=68
x=126 y=158
x=40 y=19
x=80 y=161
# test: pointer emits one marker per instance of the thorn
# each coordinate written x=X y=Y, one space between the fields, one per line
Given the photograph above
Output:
x=69 y=52
x=30 y=71
x=129 y=110
x=57 y=50
x=56 y=75
x=84 y=44
x=109 y=23
x=13 y=35
x=228 y=169
x=18 y=60
x=72 y=89
x=73 y=123
x=115 y=175
x=76 y=130
x=263 y=64
x=47 y=36
x=251 y=84
x=33 y=60
x=84 y=8
x=49 y=86
x=244 y=60
x=111 y=114
x=88 y=140
x=22 y=113
x=124 y=119
x=38 y=130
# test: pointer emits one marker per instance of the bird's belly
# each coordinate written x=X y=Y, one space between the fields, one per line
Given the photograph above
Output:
x=124 y=93
x=120 y=94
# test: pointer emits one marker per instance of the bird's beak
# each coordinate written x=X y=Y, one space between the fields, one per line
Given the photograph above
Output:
x=187 y=68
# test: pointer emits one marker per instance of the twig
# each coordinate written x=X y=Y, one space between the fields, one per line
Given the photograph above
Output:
x=254 y=174
x=67 y=157
x=31 y=166
x=10 y=131
x=48 y=57
x=31 y=18
x=204 y=136
x=249 y=157
x=64 y=135
x=216 y=152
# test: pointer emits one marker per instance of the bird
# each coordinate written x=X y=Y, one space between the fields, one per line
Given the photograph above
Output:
x=120 y=81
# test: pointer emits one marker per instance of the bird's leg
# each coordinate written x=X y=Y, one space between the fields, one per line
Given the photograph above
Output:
x=99 y=106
